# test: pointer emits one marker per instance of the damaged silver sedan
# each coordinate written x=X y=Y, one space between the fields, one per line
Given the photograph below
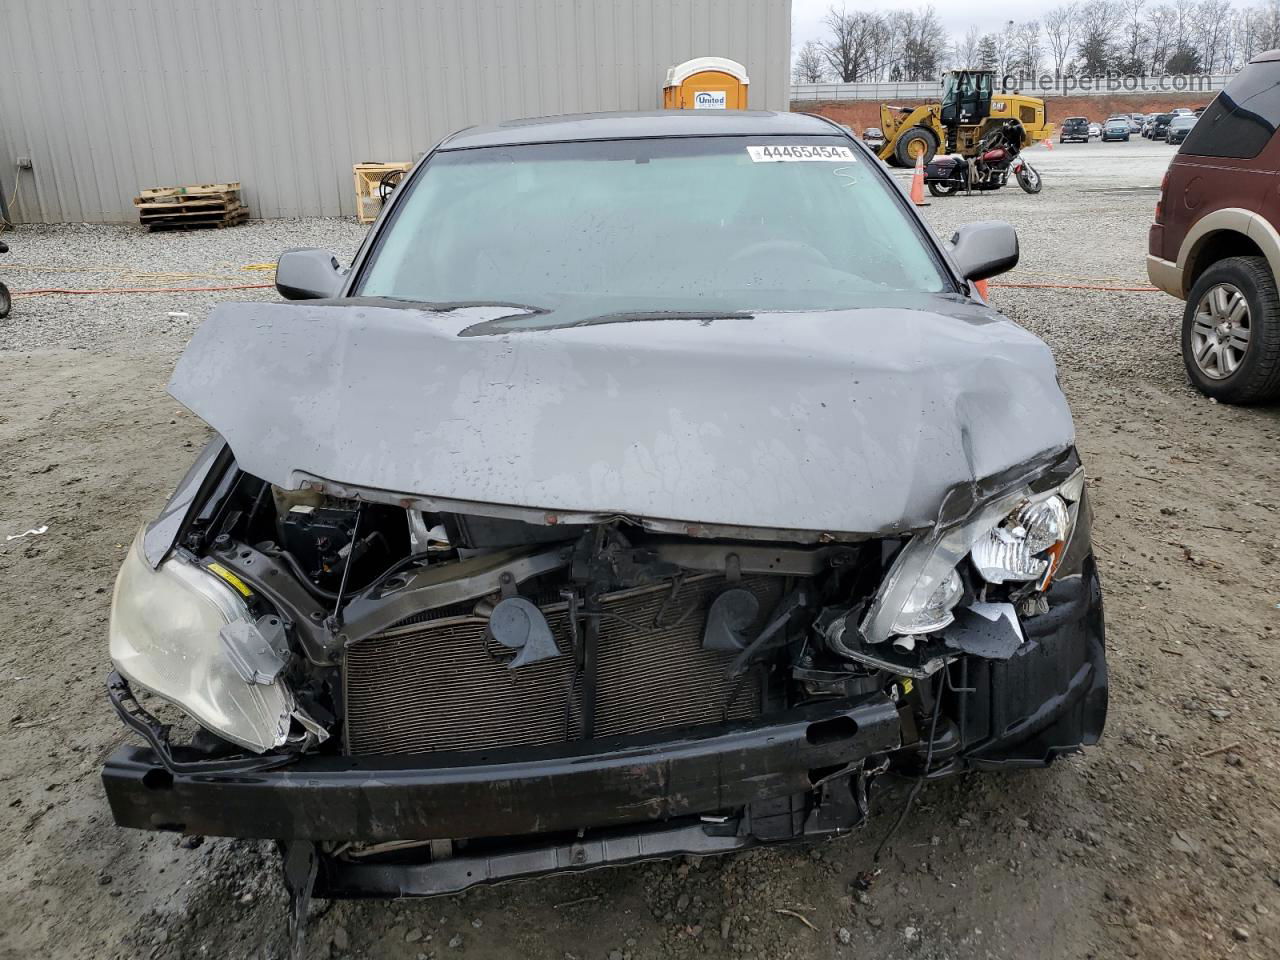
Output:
x=649 y=484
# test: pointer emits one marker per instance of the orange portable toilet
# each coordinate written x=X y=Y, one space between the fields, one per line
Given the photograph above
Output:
x=706 y=83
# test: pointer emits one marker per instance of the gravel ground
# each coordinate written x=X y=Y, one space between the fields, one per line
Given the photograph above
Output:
x=1149 y=845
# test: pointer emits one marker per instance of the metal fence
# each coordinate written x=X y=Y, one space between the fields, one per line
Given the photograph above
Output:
x=1046 y=86
x=106 y=97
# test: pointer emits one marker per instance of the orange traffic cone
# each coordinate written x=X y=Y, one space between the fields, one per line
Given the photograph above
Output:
x=917 y=183
x=981 y=286
x=1048 y=143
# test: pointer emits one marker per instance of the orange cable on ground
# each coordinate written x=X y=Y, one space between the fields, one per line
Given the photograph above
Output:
x=239 y=286
x=1077 y=286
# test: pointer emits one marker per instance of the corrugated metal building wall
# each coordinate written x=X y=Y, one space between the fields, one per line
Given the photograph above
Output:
x=109 y=97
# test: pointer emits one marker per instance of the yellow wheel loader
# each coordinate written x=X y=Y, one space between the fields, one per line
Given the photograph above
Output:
x=968 y=111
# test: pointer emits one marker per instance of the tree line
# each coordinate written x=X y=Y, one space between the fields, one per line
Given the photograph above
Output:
x=1077 y=38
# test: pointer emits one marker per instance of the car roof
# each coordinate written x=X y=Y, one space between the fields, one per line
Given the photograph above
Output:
x=629 y=126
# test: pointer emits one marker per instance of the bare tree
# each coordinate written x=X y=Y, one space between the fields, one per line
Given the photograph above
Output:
x=1135 y=37
x=849 y=43
x=1184 y=18
x=880 y=47
x=923 y=44
x=1061 y=24
x=964 y=52
x=1027 y=49
x=1160 y=44
x=1006 y=56
x=1097 y=44
x=1211 y=25
x=811 y=65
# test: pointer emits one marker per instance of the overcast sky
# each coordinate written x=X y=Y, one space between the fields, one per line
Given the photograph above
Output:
x=806 y=15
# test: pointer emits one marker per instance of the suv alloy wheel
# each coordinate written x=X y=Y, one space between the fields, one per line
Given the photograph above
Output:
x=1231 y=332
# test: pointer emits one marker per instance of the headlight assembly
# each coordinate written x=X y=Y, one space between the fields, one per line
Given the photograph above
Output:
x=164 y=637
x=1026 y=545
x=1019 y=536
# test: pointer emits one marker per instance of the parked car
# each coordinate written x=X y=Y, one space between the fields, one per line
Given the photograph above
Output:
x=1074 y=129
x=1179 y=127
x=874 y=138
x=1147 y=124
x=1095 y=131
x=1160 y=127
x=1135 y=125
x=1214 y=241
x=1116 y=128
x=496 y=563
x=1182 y=111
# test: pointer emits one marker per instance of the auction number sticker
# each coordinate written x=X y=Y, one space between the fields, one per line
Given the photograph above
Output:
x=791 y=153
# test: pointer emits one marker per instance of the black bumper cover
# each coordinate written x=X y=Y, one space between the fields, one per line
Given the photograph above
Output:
x=504 y=793
x=785 y=778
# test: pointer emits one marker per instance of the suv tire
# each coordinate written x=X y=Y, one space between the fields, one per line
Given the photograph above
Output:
x=1231 y=332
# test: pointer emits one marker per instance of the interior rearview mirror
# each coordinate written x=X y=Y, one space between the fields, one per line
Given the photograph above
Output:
x=984 y=249
x=305 y=273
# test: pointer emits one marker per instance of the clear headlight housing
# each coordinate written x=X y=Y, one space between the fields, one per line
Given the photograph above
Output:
x=1018 y=536
x=164 y=637
x=1026 y=545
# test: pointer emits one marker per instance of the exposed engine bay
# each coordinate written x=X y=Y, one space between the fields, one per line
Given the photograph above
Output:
x=372 y=629
x=437 y=632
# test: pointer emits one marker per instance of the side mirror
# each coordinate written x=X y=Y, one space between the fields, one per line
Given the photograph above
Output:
x=305 y=273
x=984 y=249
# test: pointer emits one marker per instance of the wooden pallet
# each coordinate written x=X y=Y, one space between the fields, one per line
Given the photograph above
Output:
x=196 y=223
x=198 y=189
x=191 y=207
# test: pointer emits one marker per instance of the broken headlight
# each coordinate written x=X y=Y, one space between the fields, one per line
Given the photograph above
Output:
x=927 y=611
x=1019 y=536
x=164 y=637
x=1026 y=545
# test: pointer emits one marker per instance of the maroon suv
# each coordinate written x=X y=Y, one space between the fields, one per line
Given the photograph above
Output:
x=1214 y=242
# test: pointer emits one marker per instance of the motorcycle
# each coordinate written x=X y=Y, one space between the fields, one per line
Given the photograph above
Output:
x=999 y=153
x=6 y=301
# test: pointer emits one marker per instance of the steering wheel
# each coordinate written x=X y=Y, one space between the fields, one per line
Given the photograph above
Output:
x=784 y=247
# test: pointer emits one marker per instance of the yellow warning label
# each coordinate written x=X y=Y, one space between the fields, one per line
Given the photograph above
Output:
x=907 y=686
x=221 y=571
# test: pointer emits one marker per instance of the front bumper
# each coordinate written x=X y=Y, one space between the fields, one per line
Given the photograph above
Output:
x=503 y=793
x=531 y=811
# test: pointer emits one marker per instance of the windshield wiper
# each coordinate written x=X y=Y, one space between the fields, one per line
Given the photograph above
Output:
x=627 y=316
x=448 y=306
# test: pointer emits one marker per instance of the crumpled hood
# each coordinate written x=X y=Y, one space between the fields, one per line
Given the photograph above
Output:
x=853 y=421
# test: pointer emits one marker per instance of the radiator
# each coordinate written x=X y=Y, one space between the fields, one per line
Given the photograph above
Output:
x=436 y=685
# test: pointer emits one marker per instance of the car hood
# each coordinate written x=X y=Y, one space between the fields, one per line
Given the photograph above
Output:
x=851 y=421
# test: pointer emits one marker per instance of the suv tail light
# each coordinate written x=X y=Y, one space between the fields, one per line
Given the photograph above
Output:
x=1164 y=185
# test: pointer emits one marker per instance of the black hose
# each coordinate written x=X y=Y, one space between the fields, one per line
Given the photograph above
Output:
x=292 y=563
x=928 y=762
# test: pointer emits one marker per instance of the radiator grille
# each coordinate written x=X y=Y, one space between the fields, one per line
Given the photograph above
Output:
x=435 y=685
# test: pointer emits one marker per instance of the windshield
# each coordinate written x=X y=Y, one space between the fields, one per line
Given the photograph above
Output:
x=681 y=225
